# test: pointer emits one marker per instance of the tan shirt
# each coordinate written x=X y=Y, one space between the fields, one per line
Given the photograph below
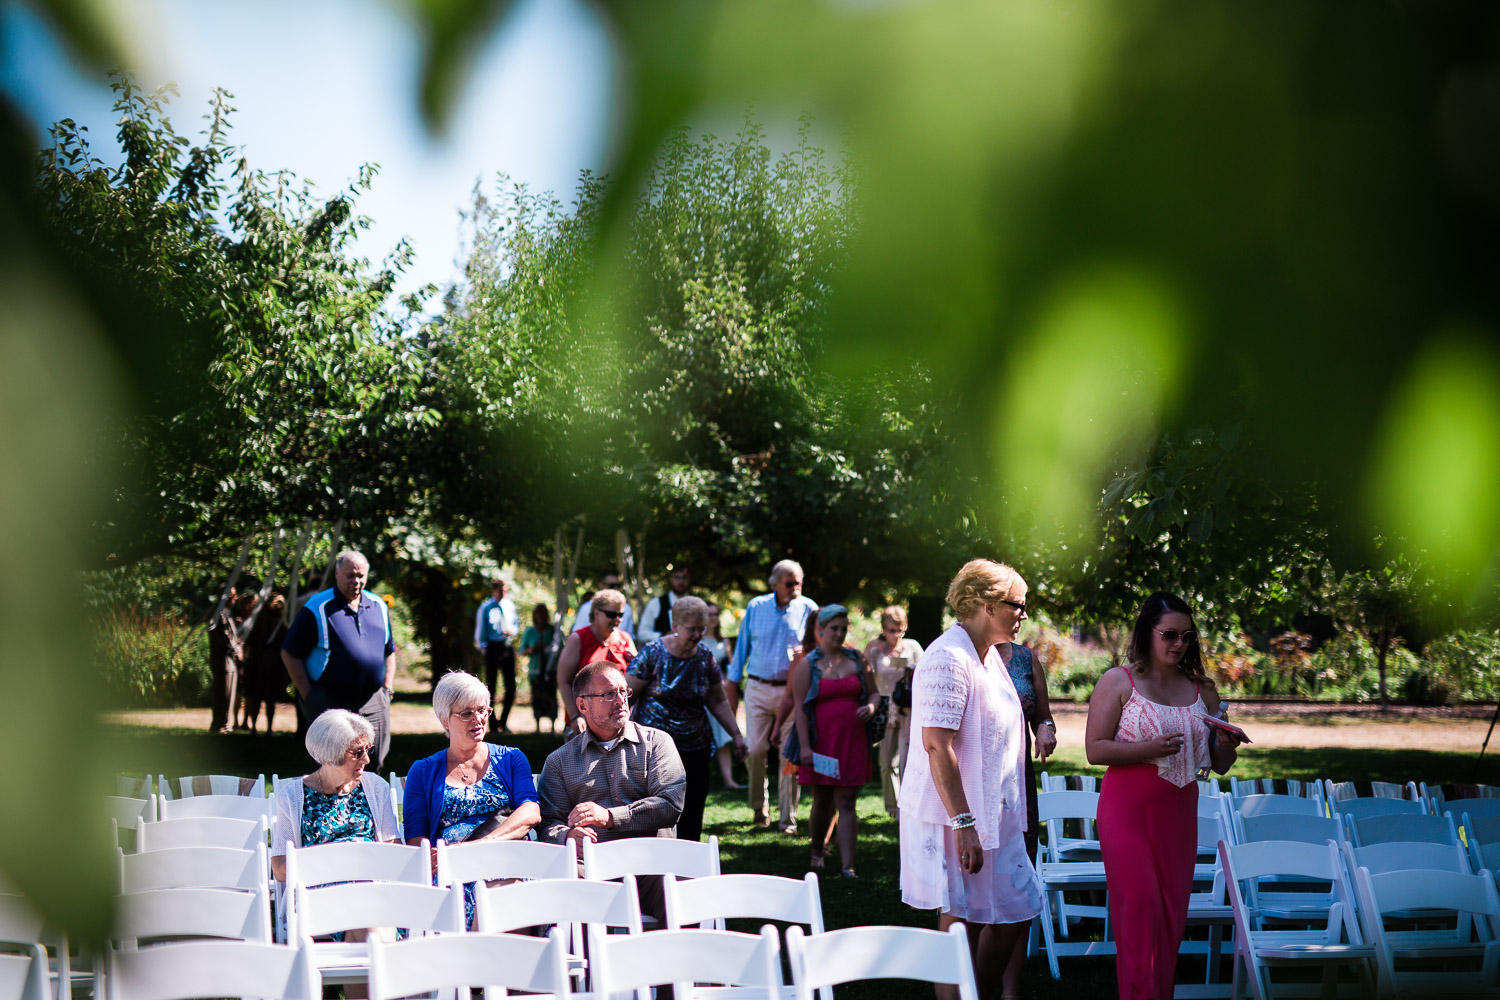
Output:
x=640 y=781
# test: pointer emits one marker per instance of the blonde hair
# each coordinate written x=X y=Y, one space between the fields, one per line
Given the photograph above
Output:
x=980 y=582
x=893 y=615
x=690 y=611
x=613 y=598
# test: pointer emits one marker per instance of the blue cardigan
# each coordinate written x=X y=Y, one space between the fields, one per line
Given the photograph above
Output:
x=422 y=802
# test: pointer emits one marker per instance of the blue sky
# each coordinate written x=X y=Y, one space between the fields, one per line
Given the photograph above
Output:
x=322 y=86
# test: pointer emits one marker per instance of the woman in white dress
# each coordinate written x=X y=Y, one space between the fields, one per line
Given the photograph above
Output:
x=963 y=804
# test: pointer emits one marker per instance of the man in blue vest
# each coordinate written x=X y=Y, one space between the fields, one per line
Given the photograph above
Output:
x=495 y=627
x=341 y=653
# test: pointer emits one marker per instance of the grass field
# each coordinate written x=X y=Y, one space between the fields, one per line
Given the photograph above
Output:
x=873 y=899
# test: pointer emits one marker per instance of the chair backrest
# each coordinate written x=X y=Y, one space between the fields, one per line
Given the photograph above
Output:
x=1365 y=808
x=497 y=859
x=1385 y=829
x=712 y=900
x=193 y=912
x=453 y=961
x=200 y=831
x=1211 y=830
x=194 y=867
x=1405 y=856
x=331 y=908
x=650 y=856
x=1067 y=782
x=1068 y=804
x=685 y=957
x=212 y=784
x=858 y=953
x=214 y=969
x=1488 y=808
x=1483 y=856
x=505 y=908
x=1289 y=826
x=230 y=806
x=135 y=788
x=1239 y=788
x=1245 y=865
x=125 y=810
x=1337 y=791
x=1440 y=797
x=1485 y=829
x=23 y=975
x=1398 y=892
x=20 y=923
x=1268 y=804
x=350 y=861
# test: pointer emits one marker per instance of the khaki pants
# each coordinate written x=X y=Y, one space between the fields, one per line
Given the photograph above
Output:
x=893 y=748
x=760 y=715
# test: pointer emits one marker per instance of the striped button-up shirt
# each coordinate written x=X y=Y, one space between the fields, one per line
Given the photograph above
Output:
x=640 y=781
x=770 y=638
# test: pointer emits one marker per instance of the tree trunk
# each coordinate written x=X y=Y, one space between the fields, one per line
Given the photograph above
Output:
x=1383 y=646
x=439 y=614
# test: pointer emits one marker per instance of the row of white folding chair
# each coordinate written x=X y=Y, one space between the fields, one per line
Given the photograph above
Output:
x=1485 y=802
x=1335 y=792
x=194 y=785
x=1476 y=906
x=1241 y=787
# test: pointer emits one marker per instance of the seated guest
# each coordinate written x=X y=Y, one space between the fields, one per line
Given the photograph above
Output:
x=600 y=640
x=472 y=790
x=338 y=802
x=618 y=779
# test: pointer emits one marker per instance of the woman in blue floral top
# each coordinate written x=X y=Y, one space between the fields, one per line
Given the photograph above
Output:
x=473 y=790
x=673 y=679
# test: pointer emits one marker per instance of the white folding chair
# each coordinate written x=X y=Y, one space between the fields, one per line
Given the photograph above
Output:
x=1484 y=856
x=213 y=969
x=1260 y=949
x=1339 y=791
x=1290 y=826
x=1352 y=809
x=307 y=868
x=195 y=867
x=329 y=909
x=487 y=860
x=1209 y=908
x=21 y=938
x=1466 y=811
x=23 y=973
x=860 y=953
x=582 y=909
x=1269 y=804
x=1388 y=829
x=229 y=806
x=196 y=912
x=455 y=961
x=200 y=831
x=1472 y=940
x=211 y=784
x=1062 y=873
x=650 y=856
x=749 y=964
x=125 y=810
x=709 y=902
x=398 y=794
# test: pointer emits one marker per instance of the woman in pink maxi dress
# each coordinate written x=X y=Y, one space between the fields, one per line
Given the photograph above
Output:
x=1145 y=723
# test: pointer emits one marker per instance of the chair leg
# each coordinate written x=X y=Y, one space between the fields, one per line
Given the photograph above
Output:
x=1048 y=938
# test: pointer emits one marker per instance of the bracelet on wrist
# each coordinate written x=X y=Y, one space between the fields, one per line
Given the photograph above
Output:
x=963 y=821
x=1047 y=722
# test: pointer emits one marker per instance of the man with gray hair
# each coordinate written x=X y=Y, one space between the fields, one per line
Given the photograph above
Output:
x=341 y=653
x=770 y=640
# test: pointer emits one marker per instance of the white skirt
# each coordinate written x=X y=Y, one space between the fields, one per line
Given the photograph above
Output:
x=1005 y=890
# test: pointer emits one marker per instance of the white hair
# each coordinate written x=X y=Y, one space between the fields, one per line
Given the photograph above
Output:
x=785 y=566
x=457 y=688
x=348 y=554
x=332 y=734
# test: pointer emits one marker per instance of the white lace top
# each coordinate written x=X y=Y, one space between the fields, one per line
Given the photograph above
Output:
x=954 y=688
x=1142 y=720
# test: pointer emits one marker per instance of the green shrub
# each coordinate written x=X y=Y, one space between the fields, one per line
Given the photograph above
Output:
x=135 y=654
x=1428 y=687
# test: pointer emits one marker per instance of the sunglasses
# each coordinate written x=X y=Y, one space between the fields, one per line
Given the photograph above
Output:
x=1171 y=635
x=613 y=616
x=1018 y=605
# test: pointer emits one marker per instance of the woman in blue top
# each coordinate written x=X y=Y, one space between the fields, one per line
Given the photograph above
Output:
x=473 y=790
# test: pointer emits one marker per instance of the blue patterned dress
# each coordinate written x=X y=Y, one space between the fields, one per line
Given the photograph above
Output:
x=1025 y=682
x=468 y=807
x=336 y=819
x=676 y=693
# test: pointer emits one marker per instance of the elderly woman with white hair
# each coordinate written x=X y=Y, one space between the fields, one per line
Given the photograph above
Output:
x=338 y=802
x=963 y=800
x=471 y=790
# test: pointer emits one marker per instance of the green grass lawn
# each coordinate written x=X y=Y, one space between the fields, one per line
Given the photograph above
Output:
x=873 y=899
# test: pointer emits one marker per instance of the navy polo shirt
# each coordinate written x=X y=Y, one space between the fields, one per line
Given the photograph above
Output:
x=344 y=647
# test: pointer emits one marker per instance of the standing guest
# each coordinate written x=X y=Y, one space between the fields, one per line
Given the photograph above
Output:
x=600 y=640
x=656 y=618
x=266 y=673
x=725 y=752
x=770 y=640
x=618 y=779
x=495 y=626
x=225 y=651
x=834 y=693
x=537 y=644
x=609 y=581
x=341 y=653
x=891 y=656
x=472 y=790
x=244 y=610
x=1146 y=724
x=341 y=801
x=963 y=810
x=676 y=684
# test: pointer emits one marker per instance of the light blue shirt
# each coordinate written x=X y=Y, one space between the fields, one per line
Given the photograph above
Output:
x=497 y=621
x=770 y=638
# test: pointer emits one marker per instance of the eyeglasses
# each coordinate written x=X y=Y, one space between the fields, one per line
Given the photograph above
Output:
x=355 y=753
x=472 y=714
x=1171 y=635
x=613 y=616
x=618 y=694
x=1018 y=605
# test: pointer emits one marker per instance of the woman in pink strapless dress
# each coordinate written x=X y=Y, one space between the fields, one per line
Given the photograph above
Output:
x=1145 y=724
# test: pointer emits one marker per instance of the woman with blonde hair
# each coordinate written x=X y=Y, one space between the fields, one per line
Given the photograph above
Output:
x=963 y=807
x=892 y=655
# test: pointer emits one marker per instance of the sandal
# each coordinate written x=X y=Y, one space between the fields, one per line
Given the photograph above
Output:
x=849 y=873
x=815 y=863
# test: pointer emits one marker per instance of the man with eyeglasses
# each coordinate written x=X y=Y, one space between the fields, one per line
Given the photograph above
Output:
x=341 y=653
x=600 y=641
x=770 y=640
x=617 y=779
